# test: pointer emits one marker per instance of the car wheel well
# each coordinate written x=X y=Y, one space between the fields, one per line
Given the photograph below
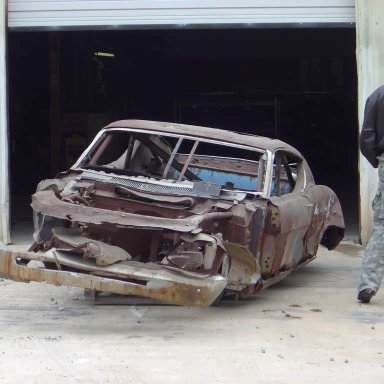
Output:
x=332 y=237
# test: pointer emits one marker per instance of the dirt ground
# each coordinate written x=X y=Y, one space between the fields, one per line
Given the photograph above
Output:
x=308 y=328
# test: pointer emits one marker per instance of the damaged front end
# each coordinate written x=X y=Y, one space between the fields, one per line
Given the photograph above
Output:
x=161 y=249
x=166 y=260
x=164 y=283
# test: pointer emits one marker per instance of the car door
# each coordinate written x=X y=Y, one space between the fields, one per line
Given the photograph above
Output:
x=289 y=216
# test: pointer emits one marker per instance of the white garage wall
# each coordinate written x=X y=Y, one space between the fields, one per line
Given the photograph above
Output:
x=370 y=64
x=4 y=187
x=93 y=13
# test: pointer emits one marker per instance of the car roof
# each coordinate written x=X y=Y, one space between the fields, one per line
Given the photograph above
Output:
x=259 y=142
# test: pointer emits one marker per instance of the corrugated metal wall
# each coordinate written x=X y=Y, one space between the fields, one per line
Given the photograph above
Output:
x=92 y=13
x=370 y=64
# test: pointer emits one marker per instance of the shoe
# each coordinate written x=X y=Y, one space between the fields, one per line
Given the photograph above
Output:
x=365 y=295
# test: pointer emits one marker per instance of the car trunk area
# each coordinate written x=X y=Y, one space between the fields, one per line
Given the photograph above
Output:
x=296 y=84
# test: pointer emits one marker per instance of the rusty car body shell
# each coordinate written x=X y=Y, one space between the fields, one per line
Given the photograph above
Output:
x=198 y=227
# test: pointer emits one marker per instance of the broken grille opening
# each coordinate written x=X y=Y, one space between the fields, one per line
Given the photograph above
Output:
x=161 y=247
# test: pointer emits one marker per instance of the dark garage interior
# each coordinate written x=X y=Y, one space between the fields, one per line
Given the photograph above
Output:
x=297 y=84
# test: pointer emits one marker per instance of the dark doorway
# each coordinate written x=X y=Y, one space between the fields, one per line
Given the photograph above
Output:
x=298 y=85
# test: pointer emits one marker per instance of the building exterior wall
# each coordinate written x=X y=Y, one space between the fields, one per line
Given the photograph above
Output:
x=370 y=64
x=4 y=169
x=179 y=13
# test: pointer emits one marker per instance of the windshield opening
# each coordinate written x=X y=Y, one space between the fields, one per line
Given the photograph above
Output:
x=177 y=159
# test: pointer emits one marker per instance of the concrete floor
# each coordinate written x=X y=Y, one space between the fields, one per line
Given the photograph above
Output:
x=308 y=328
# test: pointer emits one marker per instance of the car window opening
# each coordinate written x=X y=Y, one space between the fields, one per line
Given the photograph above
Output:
x=177 y=159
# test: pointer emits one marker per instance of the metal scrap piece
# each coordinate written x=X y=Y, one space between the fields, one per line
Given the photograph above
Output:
x=167 y=284
x=70 y=239
x=48 y=203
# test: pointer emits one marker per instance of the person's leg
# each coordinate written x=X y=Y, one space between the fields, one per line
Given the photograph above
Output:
x=372 y=268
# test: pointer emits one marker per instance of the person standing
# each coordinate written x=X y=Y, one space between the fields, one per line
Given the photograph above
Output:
x=372 y=148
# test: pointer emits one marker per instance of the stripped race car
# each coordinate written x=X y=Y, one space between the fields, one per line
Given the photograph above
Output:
x=177 y=213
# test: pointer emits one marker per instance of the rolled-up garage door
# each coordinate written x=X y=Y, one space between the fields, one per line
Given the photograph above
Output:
x=44 y=14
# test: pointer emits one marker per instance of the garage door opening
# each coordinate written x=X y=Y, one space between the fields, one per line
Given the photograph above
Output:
x=298 y=85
